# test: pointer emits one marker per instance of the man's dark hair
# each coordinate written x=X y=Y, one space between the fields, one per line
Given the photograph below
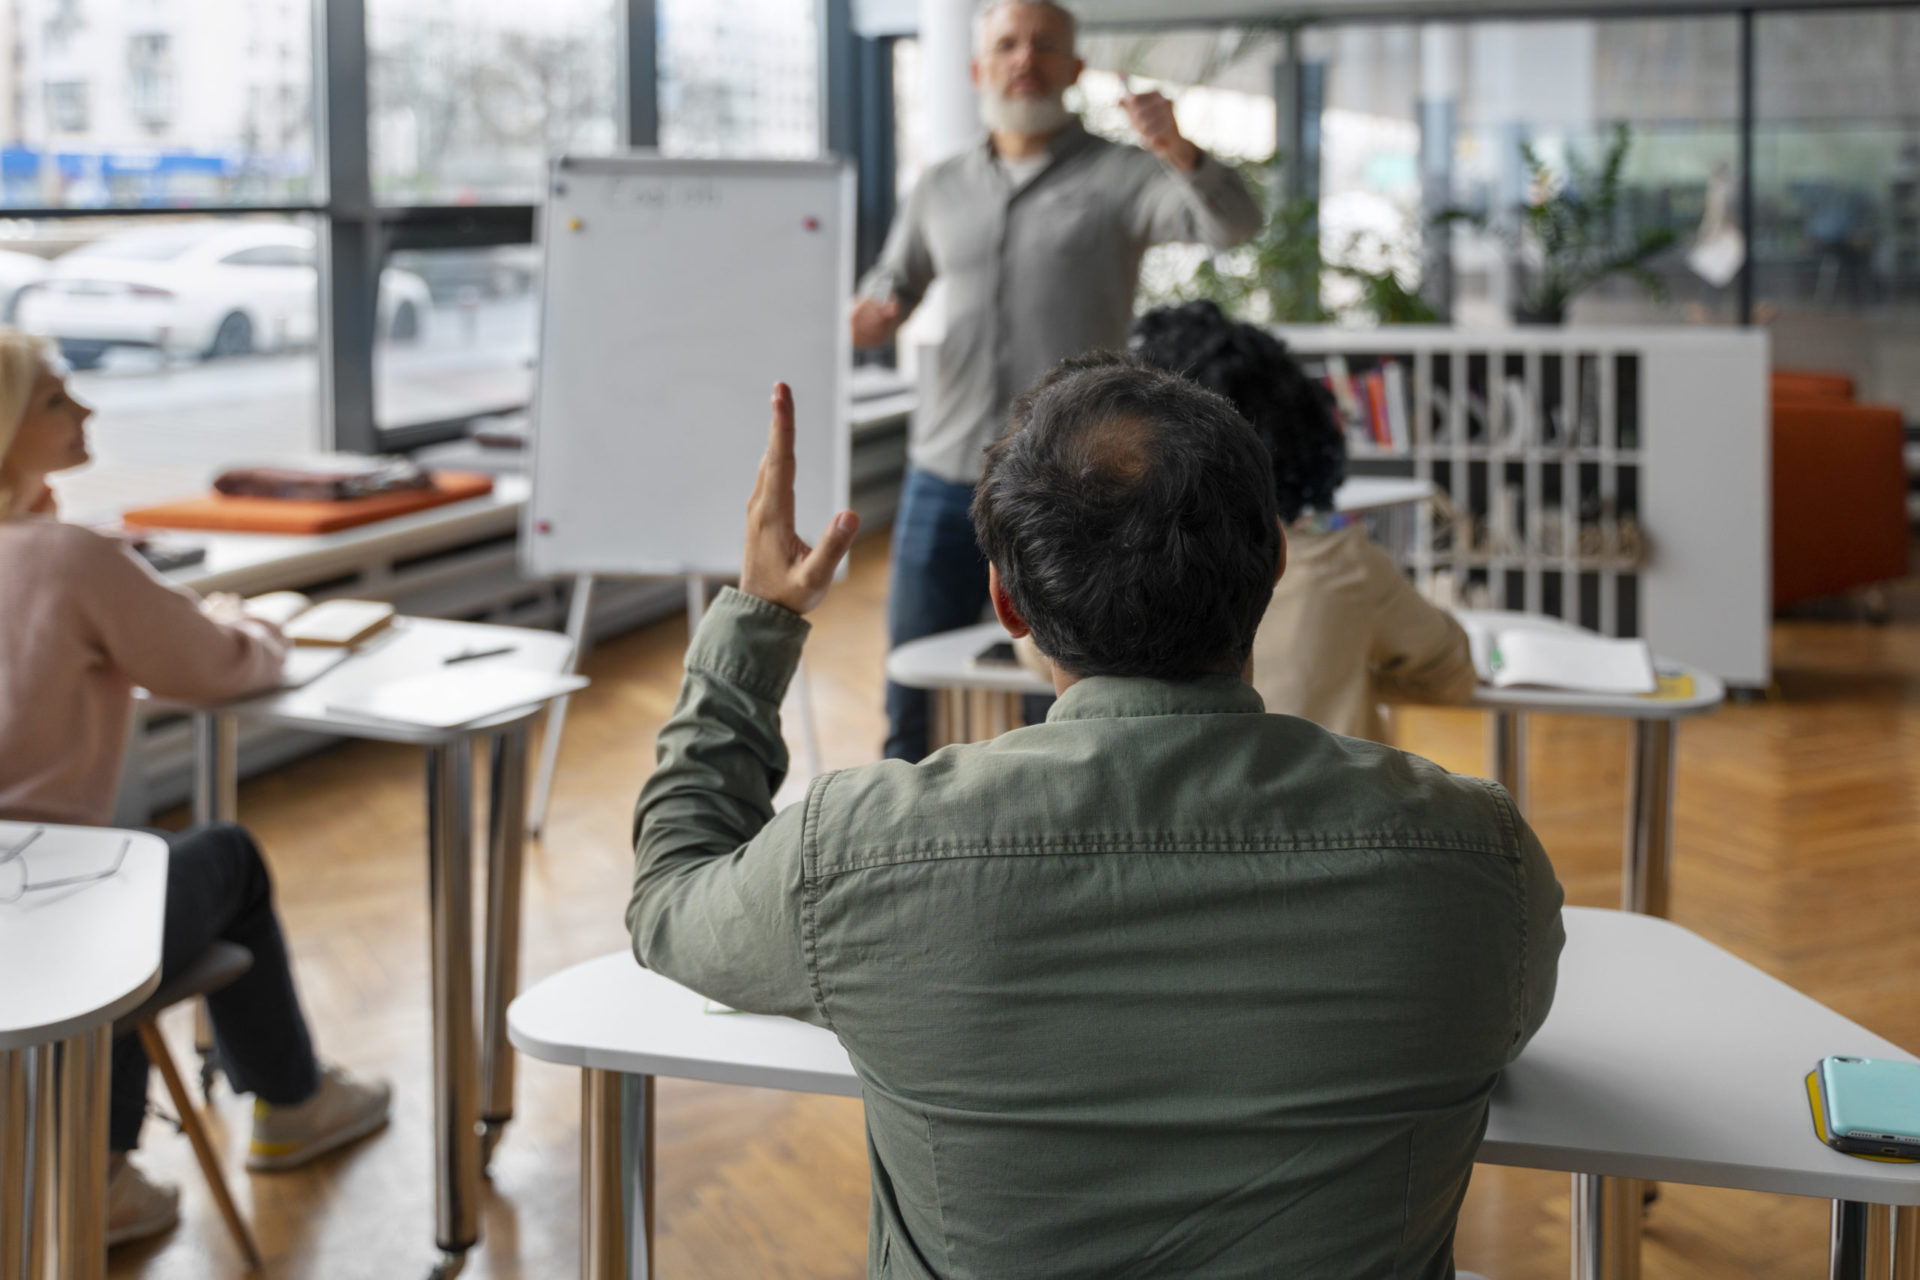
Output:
x=1292 y=413
x=1130 y=515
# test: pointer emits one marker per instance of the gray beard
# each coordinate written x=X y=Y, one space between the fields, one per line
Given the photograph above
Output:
x=1028 y=116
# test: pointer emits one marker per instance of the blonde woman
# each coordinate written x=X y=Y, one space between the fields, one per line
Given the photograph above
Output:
x=82 y=622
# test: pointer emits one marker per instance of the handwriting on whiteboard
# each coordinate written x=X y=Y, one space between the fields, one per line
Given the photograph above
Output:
x=656 y=198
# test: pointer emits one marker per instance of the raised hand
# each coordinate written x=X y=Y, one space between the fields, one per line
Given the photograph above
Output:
x=1152 y=118
x=779 y=566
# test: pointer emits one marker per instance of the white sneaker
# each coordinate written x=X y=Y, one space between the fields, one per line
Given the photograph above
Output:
x=340 y=1111
x=138 y=1208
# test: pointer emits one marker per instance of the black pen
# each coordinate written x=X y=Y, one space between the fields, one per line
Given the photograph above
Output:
x=476 y=653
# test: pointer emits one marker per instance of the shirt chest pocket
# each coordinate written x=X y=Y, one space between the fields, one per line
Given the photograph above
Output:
x=1067 y=224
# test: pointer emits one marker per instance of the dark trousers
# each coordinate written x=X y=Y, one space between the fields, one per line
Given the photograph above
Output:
x=218 y=888
x=939 y=583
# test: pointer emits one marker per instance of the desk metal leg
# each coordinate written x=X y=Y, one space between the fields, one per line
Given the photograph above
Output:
x=1507 y=754
x=216 y=798
x=1646 y=877
x=456 y=1083
x=81 y=1159
x=506 y=832
x=1606 y=1228
x=616 y=1176
x=15 y=1137
x=1873 y=1242
x=42 y=1072
x=1906 y=1243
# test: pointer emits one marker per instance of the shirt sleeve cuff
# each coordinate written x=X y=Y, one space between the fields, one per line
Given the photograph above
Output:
x=749 y=642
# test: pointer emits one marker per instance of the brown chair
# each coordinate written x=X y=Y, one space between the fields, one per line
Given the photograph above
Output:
x=1808 y=384
x=1839 y=493
x=218 y=967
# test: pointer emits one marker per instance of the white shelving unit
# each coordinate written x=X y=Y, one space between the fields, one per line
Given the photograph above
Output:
x=1549 y=442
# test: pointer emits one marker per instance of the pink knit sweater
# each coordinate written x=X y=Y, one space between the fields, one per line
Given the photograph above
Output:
x=83 y=620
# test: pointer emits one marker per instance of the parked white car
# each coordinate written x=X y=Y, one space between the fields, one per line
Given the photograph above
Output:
x=17 y=271
x=206 y=289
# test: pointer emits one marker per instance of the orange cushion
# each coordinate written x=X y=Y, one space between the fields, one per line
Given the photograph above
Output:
x=218 y=513
x=1808 y=384
x=1839 y=498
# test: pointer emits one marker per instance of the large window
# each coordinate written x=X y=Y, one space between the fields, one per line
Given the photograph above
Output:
x=131 y=103
x=470 y=97
x=739 y=78
x=1837 y=195
x=192 y=338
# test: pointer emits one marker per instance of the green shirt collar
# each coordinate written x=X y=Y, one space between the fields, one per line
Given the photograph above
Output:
x=1111 y=697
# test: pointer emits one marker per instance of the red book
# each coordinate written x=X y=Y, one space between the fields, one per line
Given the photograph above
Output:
x=1377 y=409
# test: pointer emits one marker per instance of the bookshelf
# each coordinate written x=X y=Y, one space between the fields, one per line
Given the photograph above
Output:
x=1614 y=477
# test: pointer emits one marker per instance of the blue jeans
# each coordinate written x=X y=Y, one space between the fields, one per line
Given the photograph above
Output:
x=939 y=583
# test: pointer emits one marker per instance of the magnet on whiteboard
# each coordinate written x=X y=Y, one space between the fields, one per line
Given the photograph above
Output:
x=574 y=224
x=543 y=526
x=811 y=224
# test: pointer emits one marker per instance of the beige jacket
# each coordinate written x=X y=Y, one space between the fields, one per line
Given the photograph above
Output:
x=1346 y=631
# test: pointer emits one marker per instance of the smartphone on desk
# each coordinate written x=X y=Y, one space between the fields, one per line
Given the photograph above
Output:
x=1872 y=1106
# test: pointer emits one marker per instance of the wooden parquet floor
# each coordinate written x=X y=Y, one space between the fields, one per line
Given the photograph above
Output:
x=1796 y=848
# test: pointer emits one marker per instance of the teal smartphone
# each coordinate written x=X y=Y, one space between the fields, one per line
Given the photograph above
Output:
x=1872 y=1106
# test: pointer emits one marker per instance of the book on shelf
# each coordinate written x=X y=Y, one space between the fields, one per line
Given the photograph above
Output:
x=1394 y=378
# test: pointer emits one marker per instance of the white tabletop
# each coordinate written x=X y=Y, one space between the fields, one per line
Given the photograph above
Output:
x=612 y=1015
x=1708 y=689
x=75 y=958
x=1664 y=1057
x=1371 y=493
x=410 y=646
x=249 y=563
x=945 y=661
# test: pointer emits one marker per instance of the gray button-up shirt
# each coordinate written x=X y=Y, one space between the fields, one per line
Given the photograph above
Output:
x=1038 y=272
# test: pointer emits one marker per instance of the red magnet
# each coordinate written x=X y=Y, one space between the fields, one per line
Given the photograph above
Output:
x=811 y=224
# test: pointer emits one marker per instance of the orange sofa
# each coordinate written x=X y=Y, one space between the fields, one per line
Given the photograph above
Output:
x=1839 y=489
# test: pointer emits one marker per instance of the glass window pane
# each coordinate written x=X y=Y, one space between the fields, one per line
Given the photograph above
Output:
x=1837 y=195
x=1563 y=89
x=457 y=334
x=141 y=104
x=191 y=362
x=468 y=98
x=740 y=78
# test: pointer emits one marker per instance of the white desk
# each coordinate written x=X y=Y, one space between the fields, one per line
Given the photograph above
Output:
x=74 y=959
x=1646 y=865
x=973 y=702
x=1689 y=1070
x=472 y=1105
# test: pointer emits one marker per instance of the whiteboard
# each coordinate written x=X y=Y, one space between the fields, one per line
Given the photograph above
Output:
x=676 y=293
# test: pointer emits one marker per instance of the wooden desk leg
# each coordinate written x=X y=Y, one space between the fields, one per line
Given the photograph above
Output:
x=456 y=1077
x=616 y=1176
x=1906 y=1243
x=1507 y=754
x=16 y=1129
x=500 y=952
x=1646 y=875
x=1606 y=1228
x=80 y=1160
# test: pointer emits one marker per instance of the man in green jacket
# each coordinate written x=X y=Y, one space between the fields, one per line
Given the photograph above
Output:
x=1163 y=986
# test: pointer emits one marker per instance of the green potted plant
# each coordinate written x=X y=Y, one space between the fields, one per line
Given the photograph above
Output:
x=1565 y=234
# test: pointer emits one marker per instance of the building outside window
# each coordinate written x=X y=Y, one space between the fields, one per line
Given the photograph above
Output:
x=150 y=81
x=740 y=78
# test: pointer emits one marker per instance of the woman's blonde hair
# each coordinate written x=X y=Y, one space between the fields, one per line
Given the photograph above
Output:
x=23 y=358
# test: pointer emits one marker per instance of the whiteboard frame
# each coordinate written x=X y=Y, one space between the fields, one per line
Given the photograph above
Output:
x=649 y=160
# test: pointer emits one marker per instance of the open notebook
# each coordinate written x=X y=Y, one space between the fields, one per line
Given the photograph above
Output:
x=341 y=623
x=1578 y=661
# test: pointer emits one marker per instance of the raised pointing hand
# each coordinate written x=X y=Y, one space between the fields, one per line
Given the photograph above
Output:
x=779 y=566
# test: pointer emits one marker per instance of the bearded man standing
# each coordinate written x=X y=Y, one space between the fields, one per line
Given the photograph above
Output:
x=1039 y=233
